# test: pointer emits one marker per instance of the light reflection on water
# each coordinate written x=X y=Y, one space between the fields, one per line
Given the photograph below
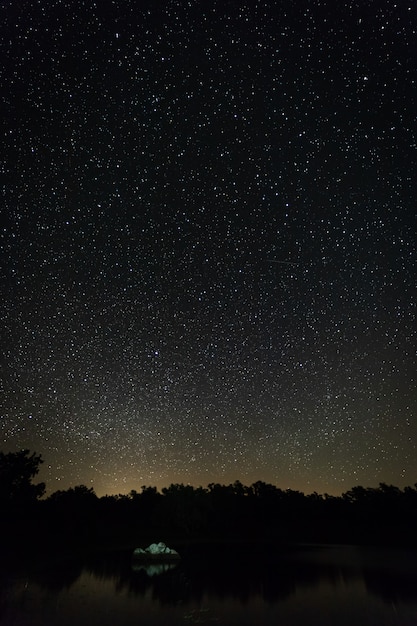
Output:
x=314 y=586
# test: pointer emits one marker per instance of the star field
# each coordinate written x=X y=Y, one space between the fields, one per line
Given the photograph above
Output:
x=209 y=241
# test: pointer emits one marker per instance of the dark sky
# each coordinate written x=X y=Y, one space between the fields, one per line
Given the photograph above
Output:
x=209 y=241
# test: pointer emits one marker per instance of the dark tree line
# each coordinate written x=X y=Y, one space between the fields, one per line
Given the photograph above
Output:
x=17 y=471
x=180 y=514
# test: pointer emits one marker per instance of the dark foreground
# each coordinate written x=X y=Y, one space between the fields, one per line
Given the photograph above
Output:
x=217 y=583
x=77 y=521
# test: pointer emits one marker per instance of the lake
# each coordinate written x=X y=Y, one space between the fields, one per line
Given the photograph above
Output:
x=314 y=585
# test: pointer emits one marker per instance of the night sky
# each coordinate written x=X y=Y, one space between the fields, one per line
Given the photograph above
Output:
x=209 y=241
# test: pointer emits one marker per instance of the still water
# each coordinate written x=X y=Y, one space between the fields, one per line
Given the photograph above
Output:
x=311 y=585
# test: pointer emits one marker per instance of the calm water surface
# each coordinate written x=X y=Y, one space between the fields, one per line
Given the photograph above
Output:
x=312 y=585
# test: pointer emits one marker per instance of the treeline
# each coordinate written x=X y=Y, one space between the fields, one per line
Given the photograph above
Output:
x=179 y=514
x=257 y=513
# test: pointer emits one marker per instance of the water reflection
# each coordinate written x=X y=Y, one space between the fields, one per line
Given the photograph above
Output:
x=154 y=569
x=303 y=586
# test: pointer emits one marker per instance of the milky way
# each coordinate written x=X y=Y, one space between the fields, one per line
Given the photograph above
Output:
x=209 y=241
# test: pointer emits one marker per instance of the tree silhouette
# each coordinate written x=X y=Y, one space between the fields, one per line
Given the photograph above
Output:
x=260 y=514
x=17 y=470
x=78 y=496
